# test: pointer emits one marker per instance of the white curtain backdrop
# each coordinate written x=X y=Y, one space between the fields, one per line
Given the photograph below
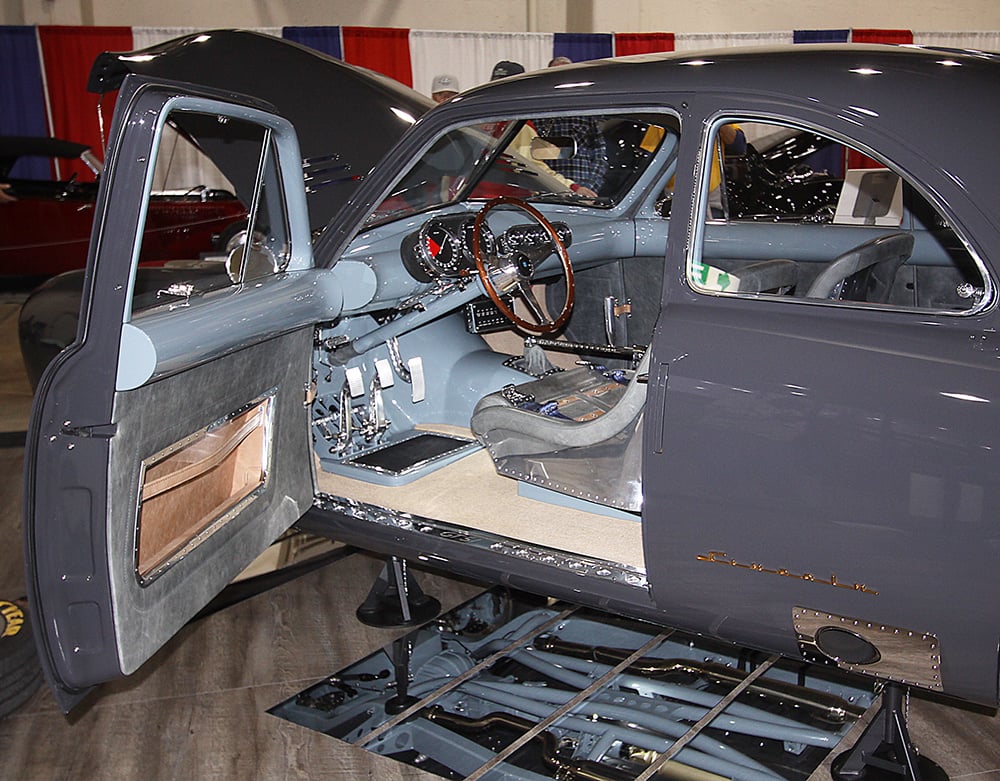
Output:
x=470 y=56
x=691 y=41
x=143 y=37
x=982 y=41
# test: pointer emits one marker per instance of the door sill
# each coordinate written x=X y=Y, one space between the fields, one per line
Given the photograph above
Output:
x=576 y=563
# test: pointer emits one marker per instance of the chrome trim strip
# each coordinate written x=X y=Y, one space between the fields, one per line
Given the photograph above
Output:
x=537 y=554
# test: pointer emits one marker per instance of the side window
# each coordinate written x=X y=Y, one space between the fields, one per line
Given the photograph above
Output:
x=792 y=212
x=215 y=214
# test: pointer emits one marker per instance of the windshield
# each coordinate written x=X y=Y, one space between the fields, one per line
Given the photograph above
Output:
x=591 y=160
x=468 y=162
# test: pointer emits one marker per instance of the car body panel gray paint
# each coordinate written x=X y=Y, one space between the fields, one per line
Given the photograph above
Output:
x=848 y=444
x=870 y=452
x=684 y=606
x=883 y=475
x=76 y=450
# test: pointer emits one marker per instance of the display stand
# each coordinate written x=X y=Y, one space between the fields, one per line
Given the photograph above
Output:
x=396 y=599
x=884 y=752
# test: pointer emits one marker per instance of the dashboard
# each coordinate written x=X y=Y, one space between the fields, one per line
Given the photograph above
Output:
x=442 y=247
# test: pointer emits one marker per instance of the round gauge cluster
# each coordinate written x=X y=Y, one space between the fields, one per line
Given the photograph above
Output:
x=443 y=248
x=440 y=249
x=487 y=242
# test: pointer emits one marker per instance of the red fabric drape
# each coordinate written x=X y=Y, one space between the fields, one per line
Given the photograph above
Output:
x=881 y=36
x=382 y=49
x=643 y=43
x=68 y=52
x=857 y=160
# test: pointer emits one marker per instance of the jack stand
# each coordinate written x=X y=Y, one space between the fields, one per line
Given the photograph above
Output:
x=884 y=751
x=402 y=649
x=396 y=599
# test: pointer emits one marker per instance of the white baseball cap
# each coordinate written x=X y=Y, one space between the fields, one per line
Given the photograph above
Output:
x=444 y=82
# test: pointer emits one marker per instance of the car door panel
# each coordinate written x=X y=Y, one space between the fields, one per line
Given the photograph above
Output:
x=827 y=489
x=273 y=373
x=821 y=464
x=156 y=345
x=142 y=503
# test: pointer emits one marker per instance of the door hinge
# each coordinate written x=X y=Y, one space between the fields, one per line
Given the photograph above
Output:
x=101 y=431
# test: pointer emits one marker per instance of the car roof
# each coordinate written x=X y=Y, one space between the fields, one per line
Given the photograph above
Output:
x=834 y=70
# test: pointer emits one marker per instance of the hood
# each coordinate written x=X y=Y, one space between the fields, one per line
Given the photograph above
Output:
x=346 y=117
x=14 y=147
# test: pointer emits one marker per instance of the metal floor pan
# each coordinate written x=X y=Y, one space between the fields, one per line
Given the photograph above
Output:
x=510 y=686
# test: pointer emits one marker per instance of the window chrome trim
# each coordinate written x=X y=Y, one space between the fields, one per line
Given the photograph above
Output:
x=701 y=218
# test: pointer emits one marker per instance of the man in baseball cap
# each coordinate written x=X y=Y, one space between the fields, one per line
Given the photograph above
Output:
x=444 y=87
x=506 y=68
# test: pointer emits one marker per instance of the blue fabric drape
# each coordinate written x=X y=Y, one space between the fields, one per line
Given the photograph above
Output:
x=583 y=46
x=324 y=39
x=822 y=36
x=22 y=99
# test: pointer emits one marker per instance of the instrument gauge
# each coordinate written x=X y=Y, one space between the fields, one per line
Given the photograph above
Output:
x=439 y=248
x=487 y=241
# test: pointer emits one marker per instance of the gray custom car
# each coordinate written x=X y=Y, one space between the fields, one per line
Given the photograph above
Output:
x=776 y=433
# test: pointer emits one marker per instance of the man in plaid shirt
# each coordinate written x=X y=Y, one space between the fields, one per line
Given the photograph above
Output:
x=589 y=165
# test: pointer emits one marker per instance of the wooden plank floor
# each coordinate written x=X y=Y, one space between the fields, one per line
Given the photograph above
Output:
x=197 y=710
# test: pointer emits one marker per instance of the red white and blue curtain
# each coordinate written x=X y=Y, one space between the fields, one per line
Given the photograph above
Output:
x=46 y=67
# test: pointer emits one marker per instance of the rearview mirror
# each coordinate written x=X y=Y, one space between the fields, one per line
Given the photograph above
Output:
x=552 y=148
x=244 y=262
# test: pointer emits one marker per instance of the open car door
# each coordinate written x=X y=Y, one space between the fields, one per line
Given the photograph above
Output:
x=169 y=444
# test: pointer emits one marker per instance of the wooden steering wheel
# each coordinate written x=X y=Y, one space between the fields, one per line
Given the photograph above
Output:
x=511 y=273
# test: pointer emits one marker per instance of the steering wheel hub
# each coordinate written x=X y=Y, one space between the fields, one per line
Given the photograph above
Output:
x=525 y=268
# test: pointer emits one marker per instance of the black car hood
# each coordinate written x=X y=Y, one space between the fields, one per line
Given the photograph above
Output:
x=346 y=117
x=14 y=147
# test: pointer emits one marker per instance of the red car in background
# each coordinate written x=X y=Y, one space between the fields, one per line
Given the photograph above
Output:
x=46 y=229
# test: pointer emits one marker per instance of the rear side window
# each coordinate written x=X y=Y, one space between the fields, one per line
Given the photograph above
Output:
x=794 y=213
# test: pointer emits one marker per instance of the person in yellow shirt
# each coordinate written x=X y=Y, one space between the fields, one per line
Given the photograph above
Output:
x=729 y=141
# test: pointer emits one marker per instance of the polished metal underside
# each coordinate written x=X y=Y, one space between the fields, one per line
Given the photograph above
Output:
x=510 y=686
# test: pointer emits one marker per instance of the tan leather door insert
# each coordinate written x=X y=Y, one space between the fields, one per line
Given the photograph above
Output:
x=189 y=488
